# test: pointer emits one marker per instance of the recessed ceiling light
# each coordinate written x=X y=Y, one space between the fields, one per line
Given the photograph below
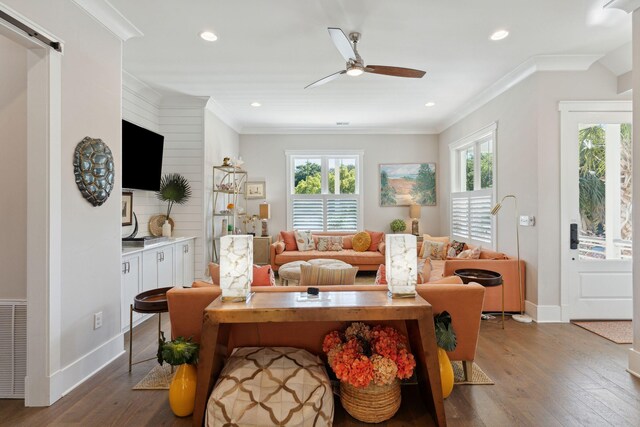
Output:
x=256 y=104
x=208 y=36
x=499 y=35
x=429 y=104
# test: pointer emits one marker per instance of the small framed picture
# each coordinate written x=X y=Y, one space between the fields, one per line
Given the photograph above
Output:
x=127 y=208
x=255 y=190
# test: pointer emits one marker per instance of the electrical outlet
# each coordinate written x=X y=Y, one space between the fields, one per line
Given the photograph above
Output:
x=527 y=221
x=97 y=320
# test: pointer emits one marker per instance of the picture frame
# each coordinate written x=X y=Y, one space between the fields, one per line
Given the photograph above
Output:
x=127 y=208
x=405 y=184
x=255 y=190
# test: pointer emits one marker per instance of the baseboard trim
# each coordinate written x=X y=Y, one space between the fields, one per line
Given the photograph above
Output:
x=634 y=362
x=544 y=313
x=88 y=365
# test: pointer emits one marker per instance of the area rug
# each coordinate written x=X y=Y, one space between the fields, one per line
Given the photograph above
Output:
x=158 y=378
x=478 y=377
x=618 y=331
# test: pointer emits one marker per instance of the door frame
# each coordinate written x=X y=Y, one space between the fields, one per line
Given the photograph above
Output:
x=566 y=108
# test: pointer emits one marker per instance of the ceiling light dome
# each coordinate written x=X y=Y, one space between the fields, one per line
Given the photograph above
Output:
x=499 y=35
x=355 y=70
x=208 y=36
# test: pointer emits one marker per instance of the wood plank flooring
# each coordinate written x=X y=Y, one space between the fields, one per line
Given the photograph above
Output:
x=545 y=375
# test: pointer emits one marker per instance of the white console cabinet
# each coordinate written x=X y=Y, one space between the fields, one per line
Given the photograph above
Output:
x=168 y=263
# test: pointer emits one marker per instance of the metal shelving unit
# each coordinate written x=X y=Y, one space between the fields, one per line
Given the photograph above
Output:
x=228 y=184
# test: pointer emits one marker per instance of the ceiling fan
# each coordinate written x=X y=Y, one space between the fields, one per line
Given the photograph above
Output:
x=348 y=48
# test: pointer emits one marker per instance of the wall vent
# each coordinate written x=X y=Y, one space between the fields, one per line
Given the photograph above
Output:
x=13 y=348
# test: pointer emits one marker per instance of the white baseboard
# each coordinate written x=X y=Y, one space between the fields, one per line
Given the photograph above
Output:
x=88 y=365
x=634 y=362
x=543 y=313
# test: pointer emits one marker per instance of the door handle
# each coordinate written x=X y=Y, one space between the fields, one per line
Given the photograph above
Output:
x=573 y=236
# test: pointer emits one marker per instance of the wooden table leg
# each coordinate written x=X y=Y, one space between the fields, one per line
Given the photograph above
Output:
x=423 y=345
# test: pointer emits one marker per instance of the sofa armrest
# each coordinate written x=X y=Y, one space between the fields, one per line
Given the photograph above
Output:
x=186 y=308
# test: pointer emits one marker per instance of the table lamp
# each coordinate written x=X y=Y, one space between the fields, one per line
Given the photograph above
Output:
x=401 y=263
x=522 y=317
x=236 y=267
x=265 y=214
x=414 y=214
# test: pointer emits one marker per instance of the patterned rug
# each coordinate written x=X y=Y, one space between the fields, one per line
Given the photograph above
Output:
x=478 y=376
x=618 y=331
x=158 y=378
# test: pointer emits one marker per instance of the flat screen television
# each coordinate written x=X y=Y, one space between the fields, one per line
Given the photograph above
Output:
x=141 y=157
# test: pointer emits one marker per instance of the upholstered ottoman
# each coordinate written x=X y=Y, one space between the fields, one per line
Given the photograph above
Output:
x=290 y=271
x=271 y=386
x=322 y=272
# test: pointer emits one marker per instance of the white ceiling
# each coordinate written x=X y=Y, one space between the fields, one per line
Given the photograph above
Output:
x=268 y=51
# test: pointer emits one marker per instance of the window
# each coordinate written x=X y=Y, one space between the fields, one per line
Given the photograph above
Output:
x=472 y=189
x=324 y=192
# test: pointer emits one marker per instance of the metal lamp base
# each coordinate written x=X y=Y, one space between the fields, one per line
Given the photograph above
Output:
x=414 y=227
x=522 y=318
x=265 y=228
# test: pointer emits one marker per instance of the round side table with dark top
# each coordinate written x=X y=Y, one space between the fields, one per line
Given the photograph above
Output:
x=148 y=302
x=486 y=278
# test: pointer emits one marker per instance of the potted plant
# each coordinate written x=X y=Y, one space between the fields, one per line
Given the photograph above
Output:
x=174 y=188
x=369 y=362
x=446 y=339
x=398 y=225
x=184 y=354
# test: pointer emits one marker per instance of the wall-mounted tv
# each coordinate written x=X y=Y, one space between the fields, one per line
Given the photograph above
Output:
x=141 y=157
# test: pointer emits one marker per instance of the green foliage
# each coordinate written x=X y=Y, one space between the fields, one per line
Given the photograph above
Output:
x=174 y=188
x=308 y=179
x=486 y=172
x=387 y=192
x=398 y=225
x=304 y=171
x=347 y=179
x=424 y=191
x=591 y=179
x=310 y=185
x=178 y=351
x=445 y=335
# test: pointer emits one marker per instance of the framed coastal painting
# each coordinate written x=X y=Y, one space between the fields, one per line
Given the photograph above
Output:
x=405 y=184
x=255 y=190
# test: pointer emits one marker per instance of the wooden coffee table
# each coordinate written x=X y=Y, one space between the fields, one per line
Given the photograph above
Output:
x=343 y=306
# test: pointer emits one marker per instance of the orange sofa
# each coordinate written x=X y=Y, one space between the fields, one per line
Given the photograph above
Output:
x=463 y=302
x=365 y=261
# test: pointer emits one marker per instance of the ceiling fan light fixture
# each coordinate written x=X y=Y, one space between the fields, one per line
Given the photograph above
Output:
x=430 y=104
x=256 y=104
x=208 y=36
x=355 y=70
x=499 y=35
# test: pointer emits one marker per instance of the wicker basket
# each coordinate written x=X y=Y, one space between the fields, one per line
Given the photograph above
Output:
x=372 y=404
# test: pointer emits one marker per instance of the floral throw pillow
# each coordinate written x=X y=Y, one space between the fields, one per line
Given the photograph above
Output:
x=455 y=249
x=470 y=253
x=304 y=240
x=329 y=243
x=433 y=250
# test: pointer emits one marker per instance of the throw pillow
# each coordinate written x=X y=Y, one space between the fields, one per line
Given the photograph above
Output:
x=425 y=271
x=470 y=253
x=289 y=239
x=280 y=247
x=433 y=250
x=304 y=240
x=214 y=272
x=318 y=275
x=382 y=247
x=455 y=248
x=444 y=239
x=486 y=254
x=376 y=238
x=329 y=243
x=263 y=276
x=361 y=241
x=347 y=242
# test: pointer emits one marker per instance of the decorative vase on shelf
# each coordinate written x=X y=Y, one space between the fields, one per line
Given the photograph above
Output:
x=182 y=391
x=166 y=229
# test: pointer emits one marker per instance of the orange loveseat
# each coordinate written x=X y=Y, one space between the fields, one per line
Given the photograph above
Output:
x=463 y=302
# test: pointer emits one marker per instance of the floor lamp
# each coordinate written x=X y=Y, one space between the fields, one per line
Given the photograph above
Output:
x=522 y=318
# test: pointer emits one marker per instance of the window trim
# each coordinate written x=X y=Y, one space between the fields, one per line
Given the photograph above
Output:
x=291 y=155
x=475 y=139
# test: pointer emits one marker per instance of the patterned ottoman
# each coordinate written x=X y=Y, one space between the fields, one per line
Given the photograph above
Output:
x=271 y=386
x=290 y=271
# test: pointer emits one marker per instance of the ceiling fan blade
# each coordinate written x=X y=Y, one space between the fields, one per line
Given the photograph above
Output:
x=395 y=71
x=325 y=79
x=342 y=43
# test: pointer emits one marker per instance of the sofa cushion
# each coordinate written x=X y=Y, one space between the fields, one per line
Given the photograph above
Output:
x=361 y=241
x=443 y=239
x=487 y=254
x=289 y=240
x=470 y=253
x=280 y=247
x=262 y=275
x=304 y=240
x=349 y=256
x=455 y=248
x=432 y=249
x=327 y=274
x=347 y=242
x=376 y=238
x=329 y=243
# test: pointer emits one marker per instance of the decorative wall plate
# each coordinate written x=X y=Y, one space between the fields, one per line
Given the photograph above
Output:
x=94 y=170
x=155 y=224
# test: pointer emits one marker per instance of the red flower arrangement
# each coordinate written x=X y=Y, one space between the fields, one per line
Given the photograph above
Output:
x=362 y=354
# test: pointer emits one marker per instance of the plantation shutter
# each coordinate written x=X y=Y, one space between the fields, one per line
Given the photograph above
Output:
x=471 y=218
x=480 y=218
x=459 y=216
x=308 y=214
x=342 y=214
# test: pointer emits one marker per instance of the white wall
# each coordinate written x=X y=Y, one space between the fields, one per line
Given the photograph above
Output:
x=265 y=159
x=528 y=165
x=13 y=166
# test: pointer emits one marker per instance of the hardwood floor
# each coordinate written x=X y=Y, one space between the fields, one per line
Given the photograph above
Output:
x=545 y=375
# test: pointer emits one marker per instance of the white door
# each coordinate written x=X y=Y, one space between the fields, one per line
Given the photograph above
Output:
x=596 y=210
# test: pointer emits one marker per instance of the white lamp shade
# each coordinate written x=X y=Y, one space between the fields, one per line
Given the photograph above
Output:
x=236 y=266
x=401 y=261
x=414 y=211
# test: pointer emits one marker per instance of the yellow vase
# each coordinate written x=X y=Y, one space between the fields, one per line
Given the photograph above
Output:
x=182 y=391
x=446 y=373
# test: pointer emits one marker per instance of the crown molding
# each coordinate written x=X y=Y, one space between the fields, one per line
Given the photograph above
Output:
x=110 y=17
x=524 y=70
x=141 y=89
x=341 y=131
x=626 y=5
x=221 y=113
